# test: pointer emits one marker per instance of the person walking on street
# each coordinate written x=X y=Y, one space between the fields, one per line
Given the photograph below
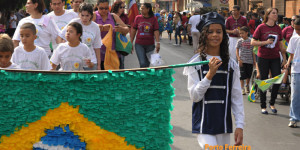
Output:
x=233 y=24
x=294 y=50
x=178 y=28
x=146 y=29
x=268 y=37
x=193 y=31
x=211 y=117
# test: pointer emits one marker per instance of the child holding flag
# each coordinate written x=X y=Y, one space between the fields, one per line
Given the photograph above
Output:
x=212 y=112
x=294 y=50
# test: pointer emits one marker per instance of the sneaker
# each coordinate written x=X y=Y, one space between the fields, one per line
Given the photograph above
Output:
x=243 y=92
x=293 y=124
x=273 y=110
x=264 y=111
x=247 y=89
x=175 y=44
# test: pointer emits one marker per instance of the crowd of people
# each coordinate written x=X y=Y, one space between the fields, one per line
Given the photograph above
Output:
x=72 y=40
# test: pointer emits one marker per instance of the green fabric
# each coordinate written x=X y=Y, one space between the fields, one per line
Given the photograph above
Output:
x=128 y=103
x=123 y=45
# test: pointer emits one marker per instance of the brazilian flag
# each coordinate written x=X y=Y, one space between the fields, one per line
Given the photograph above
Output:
x=251 y=96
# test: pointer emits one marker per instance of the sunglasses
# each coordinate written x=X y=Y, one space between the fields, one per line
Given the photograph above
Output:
x=122 y=7
x=105 y=8
x=293 y=19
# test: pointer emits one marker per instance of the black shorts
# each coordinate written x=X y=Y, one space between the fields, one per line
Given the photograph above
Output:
x=246 y=71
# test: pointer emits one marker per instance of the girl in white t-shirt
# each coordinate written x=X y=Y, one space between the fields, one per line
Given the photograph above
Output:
x=72 y=55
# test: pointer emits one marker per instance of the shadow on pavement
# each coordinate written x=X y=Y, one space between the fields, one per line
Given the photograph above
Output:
x=178 y=131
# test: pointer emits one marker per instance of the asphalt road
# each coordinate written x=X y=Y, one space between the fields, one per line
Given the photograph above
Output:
x=261 y=132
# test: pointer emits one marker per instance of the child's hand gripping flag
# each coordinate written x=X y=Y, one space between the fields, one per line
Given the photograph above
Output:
x=251 y=96
x=266 y=84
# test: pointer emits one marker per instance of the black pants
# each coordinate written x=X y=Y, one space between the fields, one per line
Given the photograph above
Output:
x=264 y=66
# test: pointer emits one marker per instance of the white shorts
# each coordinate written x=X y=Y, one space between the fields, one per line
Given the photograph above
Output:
x=212 y=140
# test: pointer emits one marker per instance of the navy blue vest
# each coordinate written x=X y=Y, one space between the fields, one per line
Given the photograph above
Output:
x=212 y=115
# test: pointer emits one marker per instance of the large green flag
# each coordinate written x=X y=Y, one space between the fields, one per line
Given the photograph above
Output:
x=266 y=84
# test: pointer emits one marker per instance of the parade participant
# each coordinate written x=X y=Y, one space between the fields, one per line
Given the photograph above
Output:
x=233 y=23
x=29 y=56
x=12 y=24
x=47 y=29
x=104 y=19
x=145 y=27
x=75 y=5
x=118 y=8
x=178 y=28
x=287 y=32
x=193 y=31
x=169 y=27
x=246 y=58
x=184 y=25
x=268 y=37
x=294 y=49
x=160 y=24
x=72 y=55
x=212 y=112
x=90 y=34
x=61 y=16
x=6 y=51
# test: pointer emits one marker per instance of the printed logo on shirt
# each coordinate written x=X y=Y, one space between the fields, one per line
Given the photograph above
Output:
x=28 y=65
x=146 y=28
x=88 y=38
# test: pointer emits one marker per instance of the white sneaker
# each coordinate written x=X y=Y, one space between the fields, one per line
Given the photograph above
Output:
x=175 y=44
x=293 y=124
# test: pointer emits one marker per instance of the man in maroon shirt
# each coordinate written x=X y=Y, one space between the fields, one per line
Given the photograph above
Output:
x=233 y=24
x=287 y=32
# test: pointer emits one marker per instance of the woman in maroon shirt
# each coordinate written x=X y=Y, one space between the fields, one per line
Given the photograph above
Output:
x=268 y=37
x=119 y=9
x=145 y=27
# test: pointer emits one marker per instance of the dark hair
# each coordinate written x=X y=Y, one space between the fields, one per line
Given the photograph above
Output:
x=116 y=6
x=297 y=22
x=255 y=15
x=78 y=28
x=224 y=50
x=242 y=13
x=184 y=13
x=86 y=7
x=280 y=19
x=29 y=26
x=102 y=1
x=149 y=6
x=6 y=44
x=41 y=5
x=236 y=7
x=268 y=11
x=61 y=1
x=244 y=28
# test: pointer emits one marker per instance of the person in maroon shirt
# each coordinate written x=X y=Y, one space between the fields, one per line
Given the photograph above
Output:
x=184 y=24
x=287 y=32
x=233 y=24
x=145 y=27
x=268 y=37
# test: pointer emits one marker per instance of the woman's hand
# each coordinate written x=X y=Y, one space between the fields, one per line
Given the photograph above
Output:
x=238 y=136
x=157 y=47
x=270 y=41
x=283 y=63
x=214 y=64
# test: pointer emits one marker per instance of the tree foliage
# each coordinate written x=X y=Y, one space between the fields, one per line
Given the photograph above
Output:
x=10 y=5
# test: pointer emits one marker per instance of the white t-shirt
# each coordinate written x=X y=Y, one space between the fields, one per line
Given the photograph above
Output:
x=63 y=20
x=12 y=66
x=13 y=23
x=34 y=60
x=70 y=58
x=46 y=28
x=194 y=21
x=90 y=36
x=72 y=10
x=294 y=48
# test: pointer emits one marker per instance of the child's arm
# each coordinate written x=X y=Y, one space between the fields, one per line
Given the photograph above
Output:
x=237 y=106
x=98 y=56
x=214 y=64
x=283 y=53
x=238 y=57
x=289 y=61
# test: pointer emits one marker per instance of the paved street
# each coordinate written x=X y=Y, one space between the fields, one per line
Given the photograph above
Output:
x=262 y=132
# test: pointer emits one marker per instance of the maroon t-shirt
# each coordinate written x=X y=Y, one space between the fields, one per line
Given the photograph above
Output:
x=251 y=25
x=184 y=20
x=232 y=24
x=261 y=33
x=287 y=33
x=145 y=29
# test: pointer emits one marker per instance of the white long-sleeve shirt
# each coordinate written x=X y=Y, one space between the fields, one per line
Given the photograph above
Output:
x=197 y=88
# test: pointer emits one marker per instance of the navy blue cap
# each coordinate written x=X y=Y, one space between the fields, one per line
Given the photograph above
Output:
x=210 y=18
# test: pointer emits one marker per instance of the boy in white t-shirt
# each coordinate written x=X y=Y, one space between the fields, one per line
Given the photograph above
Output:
x=28 y=56
x=294 y=50
x=6 y=51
